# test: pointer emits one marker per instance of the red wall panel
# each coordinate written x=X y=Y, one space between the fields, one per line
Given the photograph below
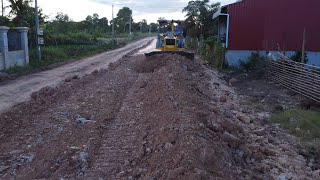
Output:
x=269 y=24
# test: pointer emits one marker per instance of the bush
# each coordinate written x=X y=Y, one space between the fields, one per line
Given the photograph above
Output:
x=255 y=62
x=219 y=55
x=297 y=57
x=192 y=43
x=214 y=53
x=55 y=54
x=79 y=38
x=252 y=62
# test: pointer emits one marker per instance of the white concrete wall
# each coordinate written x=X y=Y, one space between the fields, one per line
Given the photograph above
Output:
x=234 y=57
x=1 y=62
x=17 y=58
x=13 y=58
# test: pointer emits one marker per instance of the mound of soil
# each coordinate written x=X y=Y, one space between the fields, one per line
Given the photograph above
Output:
x=164 y=117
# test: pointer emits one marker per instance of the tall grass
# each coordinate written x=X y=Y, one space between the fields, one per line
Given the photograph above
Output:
x=302 y=123
x=209 y=50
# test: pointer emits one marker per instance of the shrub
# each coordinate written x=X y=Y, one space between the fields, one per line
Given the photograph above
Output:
x=252 y=62
x=192 y=43
x=54 y=54
x=255 y=63
x=79 y=38
x=297 y=57
x=214 y=53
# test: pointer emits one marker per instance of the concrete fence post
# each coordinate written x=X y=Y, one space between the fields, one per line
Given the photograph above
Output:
x=4 y=47
x=24 y=43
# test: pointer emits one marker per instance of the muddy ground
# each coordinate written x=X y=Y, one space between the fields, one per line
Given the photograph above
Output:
x=165 y=117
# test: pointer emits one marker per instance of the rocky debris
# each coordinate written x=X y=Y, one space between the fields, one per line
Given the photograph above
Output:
x=143 y=84
x=173 y=174
x=170 y=118
x=208 y=156
x=25 y=159
x=168 y=146
x=223 y=99
x=72 y=78
x=232 y=81
x=81 y=120
x=243 y=118
x=82 y=163
x=3 y=169
x=45 y=94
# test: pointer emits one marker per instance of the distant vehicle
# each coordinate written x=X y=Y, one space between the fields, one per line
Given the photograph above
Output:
x=171 y=39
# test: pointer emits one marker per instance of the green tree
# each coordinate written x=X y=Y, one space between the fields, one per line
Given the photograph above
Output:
x=5 y=21
x=144 y=25
x=20 y=9
x=123 y=19
x=154 y=27
x=61 y=17
x=61 y=23
x=199 y=18
x=103 y=24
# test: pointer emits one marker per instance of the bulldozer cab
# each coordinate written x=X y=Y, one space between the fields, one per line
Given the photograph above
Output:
x=172 y=35
x=171 y=39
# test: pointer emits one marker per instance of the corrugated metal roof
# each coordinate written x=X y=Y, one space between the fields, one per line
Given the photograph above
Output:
x=231 y=3
x=218 y=13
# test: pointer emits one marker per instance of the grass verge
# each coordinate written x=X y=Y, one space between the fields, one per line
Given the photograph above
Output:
x=52 y=55
x=304 y=124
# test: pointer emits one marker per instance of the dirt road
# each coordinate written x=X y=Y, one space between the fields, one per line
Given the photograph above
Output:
x=161 y=117
x=19 y=90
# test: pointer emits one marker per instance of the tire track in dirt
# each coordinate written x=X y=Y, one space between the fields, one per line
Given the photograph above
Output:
x=121 y=140
x=63 y=148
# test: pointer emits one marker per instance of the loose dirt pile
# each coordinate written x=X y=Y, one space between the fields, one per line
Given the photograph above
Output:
x=164 y=117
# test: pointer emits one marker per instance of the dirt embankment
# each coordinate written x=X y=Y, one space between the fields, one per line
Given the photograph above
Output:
x=164 y=117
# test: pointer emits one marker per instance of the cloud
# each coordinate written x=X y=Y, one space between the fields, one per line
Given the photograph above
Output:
x=150 y=10
x=141 y=7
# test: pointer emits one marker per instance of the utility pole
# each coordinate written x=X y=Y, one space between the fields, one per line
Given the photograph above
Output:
x=37 y=30
x=150 y=30
x=112 y=27
x=130 y=24
x=2 y=8
x=303 y=46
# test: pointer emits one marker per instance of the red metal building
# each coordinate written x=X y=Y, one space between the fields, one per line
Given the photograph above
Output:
x=270 y=25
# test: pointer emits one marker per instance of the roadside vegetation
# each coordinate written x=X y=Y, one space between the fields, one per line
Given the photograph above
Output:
x=201 y=32
x=66 y=39
x=302 y=123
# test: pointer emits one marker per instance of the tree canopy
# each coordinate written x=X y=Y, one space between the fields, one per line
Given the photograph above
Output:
x=199 y=18
x=123 y=19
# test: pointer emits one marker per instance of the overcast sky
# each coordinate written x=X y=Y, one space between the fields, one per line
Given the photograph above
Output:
x=150 y=10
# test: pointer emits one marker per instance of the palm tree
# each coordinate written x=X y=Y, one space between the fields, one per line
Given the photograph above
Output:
x=199 y=17
x=194 y=8
x=20 y=9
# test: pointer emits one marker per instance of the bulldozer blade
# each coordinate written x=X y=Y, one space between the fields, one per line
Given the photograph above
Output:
x=186 y=54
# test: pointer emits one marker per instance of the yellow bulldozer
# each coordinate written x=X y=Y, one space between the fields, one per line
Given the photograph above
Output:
x=171 y=39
